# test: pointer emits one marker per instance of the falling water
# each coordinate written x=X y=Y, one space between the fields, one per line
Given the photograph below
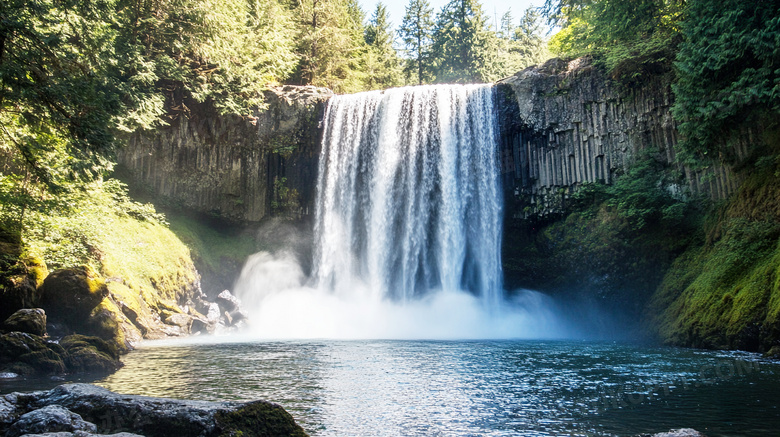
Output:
x=407 y=229
x=408 y=193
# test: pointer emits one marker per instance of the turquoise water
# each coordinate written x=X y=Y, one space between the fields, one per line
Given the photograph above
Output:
x=463 y=388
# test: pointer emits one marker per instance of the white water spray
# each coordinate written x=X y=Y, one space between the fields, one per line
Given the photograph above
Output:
x=407 y=228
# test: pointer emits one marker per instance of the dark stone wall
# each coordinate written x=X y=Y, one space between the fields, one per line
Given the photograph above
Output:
x=566 y=123
x=225 y=166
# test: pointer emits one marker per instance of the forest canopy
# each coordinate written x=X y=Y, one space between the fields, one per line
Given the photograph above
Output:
x=74 y=74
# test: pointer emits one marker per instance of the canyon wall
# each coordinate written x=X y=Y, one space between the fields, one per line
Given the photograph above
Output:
x=235 y=168
x=565 y=123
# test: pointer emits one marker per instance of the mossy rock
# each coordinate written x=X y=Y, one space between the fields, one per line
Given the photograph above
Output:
x=44 y=361
x=31 y=321
x=36 y=269
x=90 y=354
x=70 y=295
x=107 y=322
x=27 y=354
x=258 y=419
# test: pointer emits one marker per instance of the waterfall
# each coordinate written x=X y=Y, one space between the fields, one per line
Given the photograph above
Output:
x=408 y=195
x=407 y=230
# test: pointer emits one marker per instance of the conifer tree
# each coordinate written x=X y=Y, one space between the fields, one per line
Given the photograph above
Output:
x=383 y=67
x=331 y=44
x=464 y=47
x=417 y=33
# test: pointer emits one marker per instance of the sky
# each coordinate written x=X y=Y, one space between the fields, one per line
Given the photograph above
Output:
x=492 y=8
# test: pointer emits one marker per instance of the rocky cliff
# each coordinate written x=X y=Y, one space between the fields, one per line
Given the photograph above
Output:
x=232 y=167
x=565 y=123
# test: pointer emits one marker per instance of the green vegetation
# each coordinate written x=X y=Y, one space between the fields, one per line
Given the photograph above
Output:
x=723 y=62
x=628 y=38
x=614 y=243
x=728 y=70
x=417 y=34
x=725 y=293
x=258 y=418
x=218 y=250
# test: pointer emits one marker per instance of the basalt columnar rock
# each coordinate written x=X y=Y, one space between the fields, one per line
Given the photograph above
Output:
x=566 y=123
x=86 y=408
x=231 y=167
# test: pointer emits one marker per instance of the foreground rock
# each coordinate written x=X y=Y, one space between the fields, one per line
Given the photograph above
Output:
x=28 y=354
x=31 y=321
x=83 y=409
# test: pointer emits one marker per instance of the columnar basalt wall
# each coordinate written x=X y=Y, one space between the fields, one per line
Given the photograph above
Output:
x=565 y=123
x=228 y=166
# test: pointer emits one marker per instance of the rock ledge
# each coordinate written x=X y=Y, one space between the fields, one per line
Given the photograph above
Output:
x=85 y=410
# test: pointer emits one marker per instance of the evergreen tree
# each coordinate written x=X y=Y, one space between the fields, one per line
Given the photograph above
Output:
x=529 y=36
x=57 y=101
x=331 y=44
x=520 y=46
x=222 y=51
x=464 y=47
x=728 y=71
x=417 y=34
x=383 y=67
x=629 y=38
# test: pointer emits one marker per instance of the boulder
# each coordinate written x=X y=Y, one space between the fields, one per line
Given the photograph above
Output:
x=682 y=432
x=228 y=302
x=232 y=314
x=31 y=321
x=21 y=276
x=16 y=292
x=70 y=295
x=51 y=418
x=183 y=321
x=27 y=354
x=82 y=434
x=213 y=314
x=151 y=417
x=90 y=354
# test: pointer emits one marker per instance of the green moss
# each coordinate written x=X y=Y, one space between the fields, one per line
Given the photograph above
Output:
x=129 y=252
x=28 y=354
x=44 y=361
x=218 y=249
x=258 y=419
x=90 y=354
x=725 y=293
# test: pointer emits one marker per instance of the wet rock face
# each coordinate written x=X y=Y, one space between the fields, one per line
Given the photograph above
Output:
x=228 y=166
x=27 y=354
x=84 y=407
x=49 y=419
x=566 y=123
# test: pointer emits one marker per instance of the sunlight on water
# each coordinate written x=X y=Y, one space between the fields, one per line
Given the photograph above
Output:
x=466 y=388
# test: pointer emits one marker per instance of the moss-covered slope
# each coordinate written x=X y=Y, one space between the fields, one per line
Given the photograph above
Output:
x=725 y=293
x=122 y=254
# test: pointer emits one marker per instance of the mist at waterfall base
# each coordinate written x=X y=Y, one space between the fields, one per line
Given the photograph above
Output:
x=287 y=308
x=407 y=229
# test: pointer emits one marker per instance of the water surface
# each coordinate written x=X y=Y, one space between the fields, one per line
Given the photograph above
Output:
x=526 y=388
